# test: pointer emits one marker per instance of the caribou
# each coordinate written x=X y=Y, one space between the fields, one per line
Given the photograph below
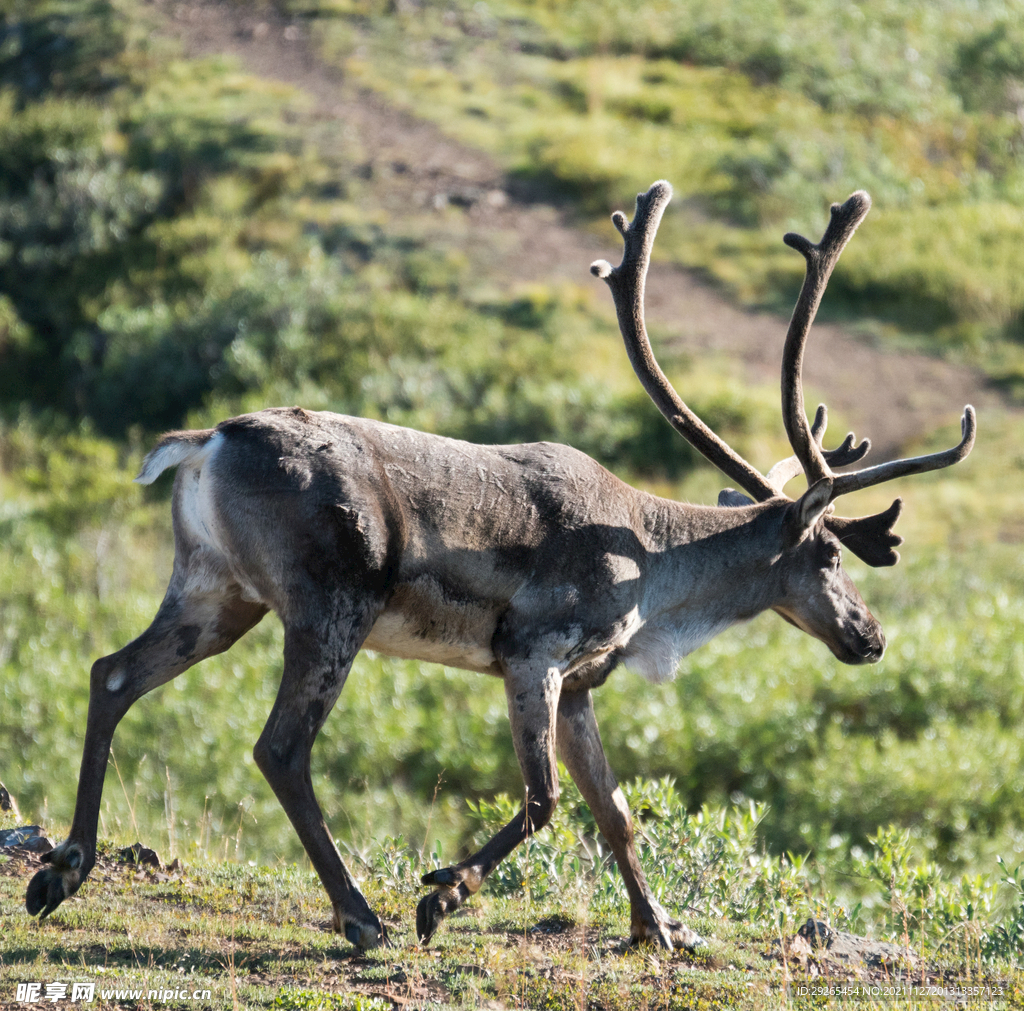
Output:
x=528 y=562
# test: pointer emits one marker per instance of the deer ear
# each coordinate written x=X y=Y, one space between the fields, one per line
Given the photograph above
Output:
x=732 y=498
x=806 y=511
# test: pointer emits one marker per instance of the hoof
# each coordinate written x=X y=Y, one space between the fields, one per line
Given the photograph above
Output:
x=687 y=939
x=442 y=876
x=670 y=935
x=653 y=925
x=367 y=935
x=433 y=908
x=53 y=884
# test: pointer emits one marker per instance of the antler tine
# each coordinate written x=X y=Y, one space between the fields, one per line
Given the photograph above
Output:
x=627 y=285
x=821 y=259
x=846 y=453
x=858 y=479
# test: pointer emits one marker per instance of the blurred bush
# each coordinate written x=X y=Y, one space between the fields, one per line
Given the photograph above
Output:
x=179 y=247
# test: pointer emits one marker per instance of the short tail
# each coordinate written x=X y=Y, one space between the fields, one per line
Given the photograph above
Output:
x=176 y=448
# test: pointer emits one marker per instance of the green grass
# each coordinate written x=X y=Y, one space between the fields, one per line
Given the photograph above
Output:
x=546 y=932
x=228 y=263
x=760 y=116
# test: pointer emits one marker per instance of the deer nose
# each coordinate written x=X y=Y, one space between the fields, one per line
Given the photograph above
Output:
x=873 y=648
x=862 y=642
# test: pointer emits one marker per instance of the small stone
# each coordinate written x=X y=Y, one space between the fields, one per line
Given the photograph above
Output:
x=139 y=854
x=817 y=932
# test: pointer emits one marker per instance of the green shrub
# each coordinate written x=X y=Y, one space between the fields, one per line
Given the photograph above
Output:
x=61 y=47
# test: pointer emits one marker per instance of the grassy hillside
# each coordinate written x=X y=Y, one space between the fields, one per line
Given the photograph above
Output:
x=761 y=115
x=546 y=932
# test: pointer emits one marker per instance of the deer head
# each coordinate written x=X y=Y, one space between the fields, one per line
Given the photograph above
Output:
x=819 y=597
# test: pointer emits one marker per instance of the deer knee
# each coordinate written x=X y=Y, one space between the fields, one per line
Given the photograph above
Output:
x=269 y=759
x=611 y=812
x=277 y=753
x=620 y=815
x=111 y=690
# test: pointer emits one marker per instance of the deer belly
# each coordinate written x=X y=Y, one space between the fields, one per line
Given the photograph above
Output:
x=423 y=622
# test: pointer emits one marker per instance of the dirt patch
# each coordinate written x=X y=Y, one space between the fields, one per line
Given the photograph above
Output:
x=892 y=397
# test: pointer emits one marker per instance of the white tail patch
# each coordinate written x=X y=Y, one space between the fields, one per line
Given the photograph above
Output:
x=174 y=452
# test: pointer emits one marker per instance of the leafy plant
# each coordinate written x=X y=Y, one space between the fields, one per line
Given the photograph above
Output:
x=318 y=1000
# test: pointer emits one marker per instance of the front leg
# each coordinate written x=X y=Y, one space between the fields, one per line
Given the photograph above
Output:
x=532 y=704
x=579 y=745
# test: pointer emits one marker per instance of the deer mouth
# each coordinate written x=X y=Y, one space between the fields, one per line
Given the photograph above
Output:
x=860 y=648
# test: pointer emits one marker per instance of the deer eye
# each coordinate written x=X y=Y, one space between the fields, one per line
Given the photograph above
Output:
x=835 y=556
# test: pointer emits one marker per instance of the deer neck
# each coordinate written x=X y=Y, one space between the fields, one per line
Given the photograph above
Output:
x=709 y=568
x=727 y=556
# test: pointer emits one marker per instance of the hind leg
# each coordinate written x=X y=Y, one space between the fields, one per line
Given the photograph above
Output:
x=201 y=614
x=319 y=647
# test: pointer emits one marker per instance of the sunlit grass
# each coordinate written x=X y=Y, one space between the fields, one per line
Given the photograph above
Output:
x=546 y=931
x=598 y=114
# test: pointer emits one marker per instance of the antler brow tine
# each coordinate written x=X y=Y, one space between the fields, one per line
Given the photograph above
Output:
x=870 y=538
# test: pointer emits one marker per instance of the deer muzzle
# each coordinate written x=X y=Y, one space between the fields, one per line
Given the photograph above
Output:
x=861 y=644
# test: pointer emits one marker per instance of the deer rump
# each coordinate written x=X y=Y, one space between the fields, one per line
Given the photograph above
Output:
x=528 y=562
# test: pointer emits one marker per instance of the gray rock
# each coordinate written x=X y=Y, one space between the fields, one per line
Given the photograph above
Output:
x=27 y=837
x=139 y=854
x=851 y=948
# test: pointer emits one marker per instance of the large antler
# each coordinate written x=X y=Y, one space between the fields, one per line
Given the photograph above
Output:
x=627 y=284
x=869 y=537
x=821 y=259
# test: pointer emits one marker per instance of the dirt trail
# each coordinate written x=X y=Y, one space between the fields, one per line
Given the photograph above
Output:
x=892 y=397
